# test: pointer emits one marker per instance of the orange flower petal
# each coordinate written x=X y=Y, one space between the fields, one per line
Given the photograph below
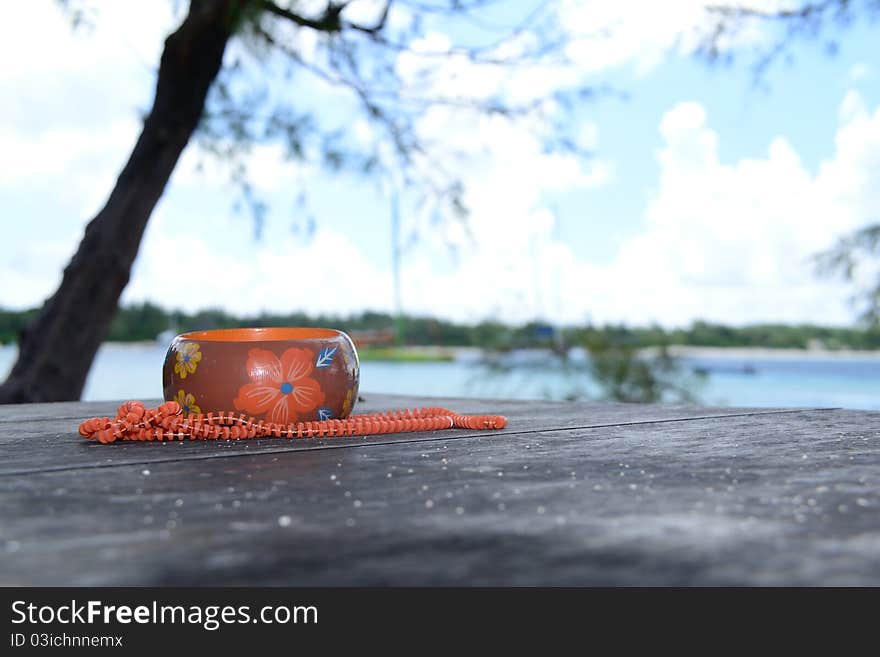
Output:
x=297 y=364
x=256 y=398
x=282 y=411
x=307 y=395
x=264 y=367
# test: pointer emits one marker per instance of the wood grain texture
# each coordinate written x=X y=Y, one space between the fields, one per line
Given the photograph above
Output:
x=650 y=497
x=33 y=439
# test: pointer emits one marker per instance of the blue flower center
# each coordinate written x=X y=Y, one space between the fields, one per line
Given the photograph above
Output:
x=186 y=358
x=286 y=388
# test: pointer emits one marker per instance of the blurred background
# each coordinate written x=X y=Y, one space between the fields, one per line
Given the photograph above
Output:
x=628 y=201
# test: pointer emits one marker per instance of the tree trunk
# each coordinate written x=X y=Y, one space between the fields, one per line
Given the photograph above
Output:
x=57 y=349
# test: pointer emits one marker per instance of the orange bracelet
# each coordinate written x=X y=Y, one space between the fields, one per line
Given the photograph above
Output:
x=134 y=421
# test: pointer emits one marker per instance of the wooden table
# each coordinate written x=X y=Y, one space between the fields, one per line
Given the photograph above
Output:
x=568 y=494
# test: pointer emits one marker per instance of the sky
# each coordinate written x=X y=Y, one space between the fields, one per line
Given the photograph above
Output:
x=706 y=195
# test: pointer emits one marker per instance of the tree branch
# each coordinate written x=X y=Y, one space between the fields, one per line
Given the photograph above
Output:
x=378 y=26
x=331 y=20
x=805 y=12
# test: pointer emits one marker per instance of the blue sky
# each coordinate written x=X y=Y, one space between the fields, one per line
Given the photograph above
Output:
x=797 y=100
x=706 y=195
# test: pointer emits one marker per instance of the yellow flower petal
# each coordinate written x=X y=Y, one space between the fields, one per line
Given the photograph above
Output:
x=188 y=356
x=187 y=402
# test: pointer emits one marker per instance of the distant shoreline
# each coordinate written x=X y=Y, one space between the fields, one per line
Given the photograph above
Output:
x=440 y=352
x=416 y=353
x=768 y=353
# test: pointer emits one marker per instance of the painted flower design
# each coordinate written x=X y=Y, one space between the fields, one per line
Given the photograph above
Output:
x=187 y=402
x=280 y=388
x=348 y=358
x=188 y=357
x=346 y=404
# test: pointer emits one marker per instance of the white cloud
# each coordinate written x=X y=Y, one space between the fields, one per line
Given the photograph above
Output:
x=67 y=124
x=31 y=271
x=722 y=241
x=269 y=170
x=507 y=264
x=859 y=72
x=70 y=115
x=179 y=269
x=596 y=36
x=364 y=12
x=77 y=166
x=725 y=242
x=733 y=242
x=604 y=35
x=125 y=29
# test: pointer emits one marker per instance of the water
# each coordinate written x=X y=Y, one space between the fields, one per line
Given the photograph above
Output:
x=736 y=378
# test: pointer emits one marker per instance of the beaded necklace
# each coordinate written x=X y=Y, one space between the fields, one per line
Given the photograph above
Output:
x=134 y=421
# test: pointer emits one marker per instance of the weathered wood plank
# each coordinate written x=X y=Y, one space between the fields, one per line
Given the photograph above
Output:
x=17 y=413
x=44 y=443
x=764 y=499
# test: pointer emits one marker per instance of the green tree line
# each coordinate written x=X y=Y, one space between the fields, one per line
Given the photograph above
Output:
x=140 y=322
